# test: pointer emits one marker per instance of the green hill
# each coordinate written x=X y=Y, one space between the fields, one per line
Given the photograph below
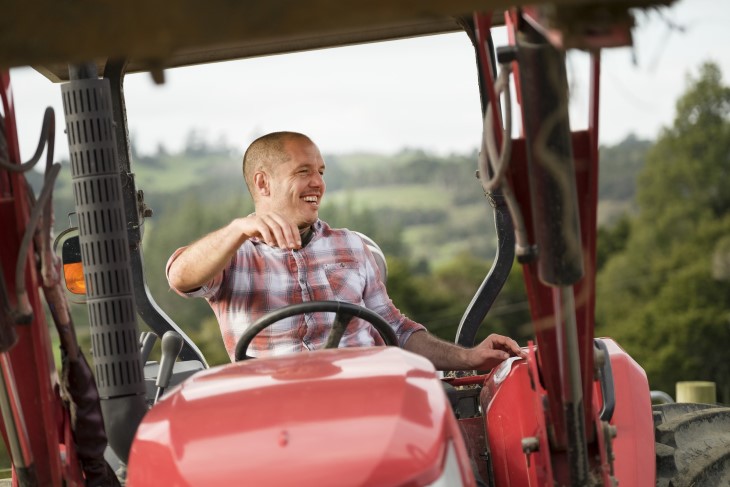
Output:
x=434 y=203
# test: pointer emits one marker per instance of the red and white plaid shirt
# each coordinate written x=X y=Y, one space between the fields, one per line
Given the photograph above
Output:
x=334 y=265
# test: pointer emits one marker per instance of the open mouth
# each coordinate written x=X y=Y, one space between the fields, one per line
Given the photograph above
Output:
x=312 y=200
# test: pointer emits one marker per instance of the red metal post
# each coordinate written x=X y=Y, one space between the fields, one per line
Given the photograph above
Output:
x=32 y=363
x=540 y=296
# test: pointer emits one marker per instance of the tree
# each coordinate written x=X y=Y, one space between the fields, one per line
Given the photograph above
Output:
x=658 y=296
x=196 y=143
x=611 y=240
x=439 y=300
x=619 y=167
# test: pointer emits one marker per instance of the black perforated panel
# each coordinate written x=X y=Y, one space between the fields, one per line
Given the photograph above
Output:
x=103 y=237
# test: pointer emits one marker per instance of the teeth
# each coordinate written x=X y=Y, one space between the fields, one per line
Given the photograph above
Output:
x=312 y=199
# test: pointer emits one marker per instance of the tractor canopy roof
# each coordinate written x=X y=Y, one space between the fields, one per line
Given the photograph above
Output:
x=153 y=35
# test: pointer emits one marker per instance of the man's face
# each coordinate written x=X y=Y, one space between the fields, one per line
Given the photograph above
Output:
x=297 y=185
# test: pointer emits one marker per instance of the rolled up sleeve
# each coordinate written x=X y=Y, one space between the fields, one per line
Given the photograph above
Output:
x=208 y=290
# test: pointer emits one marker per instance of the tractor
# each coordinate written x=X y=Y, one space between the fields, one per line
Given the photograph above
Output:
x=576 y=411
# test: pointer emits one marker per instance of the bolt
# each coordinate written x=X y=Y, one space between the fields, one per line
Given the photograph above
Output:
x=530 y=444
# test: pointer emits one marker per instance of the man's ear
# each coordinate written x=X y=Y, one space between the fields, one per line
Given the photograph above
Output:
x=261 y=183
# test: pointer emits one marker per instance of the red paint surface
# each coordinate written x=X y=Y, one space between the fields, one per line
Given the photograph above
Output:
x=375 y=416
x=541 y=296
x=633 y=446
x=33 y=369
x=513 y=410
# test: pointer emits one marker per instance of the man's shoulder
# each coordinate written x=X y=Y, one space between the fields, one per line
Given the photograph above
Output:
x=325 y=230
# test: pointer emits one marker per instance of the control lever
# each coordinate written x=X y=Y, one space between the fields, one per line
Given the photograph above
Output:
x=171 y=345
x=147 y=341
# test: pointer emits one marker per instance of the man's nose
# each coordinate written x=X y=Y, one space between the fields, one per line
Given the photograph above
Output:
x=317 y=180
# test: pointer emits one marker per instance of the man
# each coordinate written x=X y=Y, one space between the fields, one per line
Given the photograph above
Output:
x=283 y=254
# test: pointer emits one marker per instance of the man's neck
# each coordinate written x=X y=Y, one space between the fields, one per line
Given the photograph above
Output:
x=306 y=234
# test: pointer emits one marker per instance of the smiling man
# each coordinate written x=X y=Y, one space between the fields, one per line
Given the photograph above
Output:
x=284 y=254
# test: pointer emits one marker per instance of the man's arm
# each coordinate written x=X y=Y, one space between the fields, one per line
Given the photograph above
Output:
x=449 y=356
x=204 y=259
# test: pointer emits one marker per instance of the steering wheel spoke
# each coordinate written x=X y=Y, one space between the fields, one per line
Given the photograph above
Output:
x=344 y=313
x=338 y=329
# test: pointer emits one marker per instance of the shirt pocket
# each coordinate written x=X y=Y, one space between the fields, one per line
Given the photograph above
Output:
x=344 y=280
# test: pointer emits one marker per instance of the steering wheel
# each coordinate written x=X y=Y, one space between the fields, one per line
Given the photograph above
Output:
x=344 y=313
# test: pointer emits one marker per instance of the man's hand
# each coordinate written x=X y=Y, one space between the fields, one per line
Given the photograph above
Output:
x=273 y=228
x=492 y=351
x=448 y=356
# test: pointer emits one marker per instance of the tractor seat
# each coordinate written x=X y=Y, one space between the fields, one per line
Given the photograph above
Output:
x=378 y=254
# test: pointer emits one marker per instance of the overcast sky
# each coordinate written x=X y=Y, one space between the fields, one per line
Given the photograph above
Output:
x=382 y=97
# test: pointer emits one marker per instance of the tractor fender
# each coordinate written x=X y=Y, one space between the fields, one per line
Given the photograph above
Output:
x=517 y=429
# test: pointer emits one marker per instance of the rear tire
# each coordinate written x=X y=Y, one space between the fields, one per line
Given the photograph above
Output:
x=692 y=445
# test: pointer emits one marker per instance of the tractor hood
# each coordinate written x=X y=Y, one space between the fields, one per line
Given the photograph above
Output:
x=374 y=416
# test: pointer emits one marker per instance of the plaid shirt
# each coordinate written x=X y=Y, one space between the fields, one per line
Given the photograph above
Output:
x=334 y=265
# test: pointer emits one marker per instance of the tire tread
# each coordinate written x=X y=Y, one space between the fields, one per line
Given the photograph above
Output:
x=692 y=445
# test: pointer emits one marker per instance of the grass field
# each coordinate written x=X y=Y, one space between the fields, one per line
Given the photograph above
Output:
x=171 y=174
x=407 y=197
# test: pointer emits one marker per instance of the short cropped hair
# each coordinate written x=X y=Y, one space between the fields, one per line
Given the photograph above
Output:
x=265 y=152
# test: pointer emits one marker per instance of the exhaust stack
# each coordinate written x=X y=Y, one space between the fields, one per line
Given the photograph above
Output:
x=105 y=255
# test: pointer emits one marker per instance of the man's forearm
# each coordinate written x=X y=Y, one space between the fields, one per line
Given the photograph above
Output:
x=442 y=354
x=202 y=260
x=449 y=356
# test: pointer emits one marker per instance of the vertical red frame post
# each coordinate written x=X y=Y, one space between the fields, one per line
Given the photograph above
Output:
x=32 y=362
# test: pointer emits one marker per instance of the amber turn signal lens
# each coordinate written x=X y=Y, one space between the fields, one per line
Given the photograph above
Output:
x=74 y=276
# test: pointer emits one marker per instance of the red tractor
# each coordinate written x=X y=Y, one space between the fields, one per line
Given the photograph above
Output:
x=577 y=411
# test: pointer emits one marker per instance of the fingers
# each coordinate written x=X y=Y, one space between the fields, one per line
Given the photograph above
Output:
x=507 y=344
x=285 y=234
x=492 y=351
x=485 y=358
x=276 y=231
